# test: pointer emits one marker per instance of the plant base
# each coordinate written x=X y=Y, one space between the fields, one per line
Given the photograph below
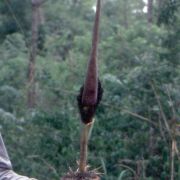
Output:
x=81 y=176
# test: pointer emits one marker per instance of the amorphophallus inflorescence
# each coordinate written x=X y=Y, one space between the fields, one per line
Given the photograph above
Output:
x=91 y=92
x=88 y=100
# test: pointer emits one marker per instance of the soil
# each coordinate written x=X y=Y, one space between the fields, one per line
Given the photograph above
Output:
x=81 y=176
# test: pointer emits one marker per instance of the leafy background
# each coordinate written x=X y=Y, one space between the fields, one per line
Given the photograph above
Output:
x=138 y=119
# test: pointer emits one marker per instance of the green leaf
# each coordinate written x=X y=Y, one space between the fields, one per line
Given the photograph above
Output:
x=122 y=174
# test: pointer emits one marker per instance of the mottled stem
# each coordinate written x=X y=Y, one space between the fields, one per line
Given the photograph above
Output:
x=84 y=146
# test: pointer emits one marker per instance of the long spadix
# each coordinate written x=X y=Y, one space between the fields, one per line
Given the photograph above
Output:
x=91 y=91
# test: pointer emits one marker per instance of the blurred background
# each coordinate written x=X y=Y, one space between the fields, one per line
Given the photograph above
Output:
x=44 y=48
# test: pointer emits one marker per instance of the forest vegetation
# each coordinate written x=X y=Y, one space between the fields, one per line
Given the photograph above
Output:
x=44 y=51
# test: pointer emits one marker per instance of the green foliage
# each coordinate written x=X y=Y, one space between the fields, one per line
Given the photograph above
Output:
x=140 y=72
x=15 y=17
x=167 y=13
